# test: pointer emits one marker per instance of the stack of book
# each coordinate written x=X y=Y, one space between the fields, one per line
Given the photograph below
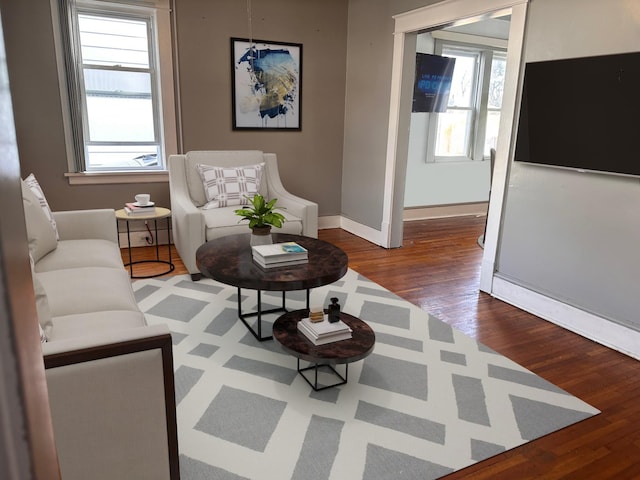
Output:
x=279 y=254
x=321 y=333
x=135 y=208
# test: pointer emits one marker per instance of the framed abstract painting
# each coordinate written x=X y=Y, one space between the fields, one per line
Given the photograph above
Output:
x=266 y=79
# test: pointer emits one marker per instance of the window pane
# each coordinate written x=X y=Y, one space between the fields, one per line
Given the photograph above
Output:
x=113 y=41
x=119 y=156
x=453 y=133
x=119 y=106
x=464 y=75
x=491 y=137
x=496 y=82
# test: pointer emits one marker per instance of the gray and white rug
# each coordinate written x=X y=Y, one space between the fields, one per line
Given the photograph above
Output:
x=428 y=401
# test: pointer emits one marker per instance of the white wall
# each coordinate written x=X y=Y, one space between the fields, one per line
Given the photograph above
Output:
x=568 y=237
x=430 y=184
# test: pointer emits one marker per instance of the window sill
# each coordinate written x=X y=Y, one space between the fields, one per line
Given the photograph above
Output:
x=103 y=178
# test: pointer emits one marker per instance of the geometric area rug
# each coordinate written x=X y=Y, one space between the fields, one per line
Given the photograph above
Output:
x=426 y=402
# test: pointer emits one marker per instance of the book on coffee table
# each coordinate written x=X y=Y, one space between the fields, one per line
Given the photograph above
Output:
x=278 y=252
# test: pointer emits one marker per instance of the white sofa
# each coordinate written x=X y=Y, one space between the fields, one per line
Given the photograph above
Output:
x=194 y=225
x=109 y=374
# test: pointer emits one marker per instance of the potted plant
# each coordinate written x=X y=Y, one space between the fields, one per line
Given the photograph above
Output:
x=261 y=217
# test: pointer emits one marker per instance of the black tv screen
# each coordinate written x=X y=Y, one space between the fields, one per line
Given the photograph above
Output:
x=582 y=113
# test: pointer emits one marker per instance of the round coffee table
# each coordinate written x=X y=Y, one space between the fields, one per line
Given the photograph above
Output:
x=361 y=343
x=229 y=260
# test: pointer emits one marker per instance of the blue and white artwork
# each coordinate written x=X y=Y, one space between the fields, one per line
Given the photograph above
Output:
x=266 y=84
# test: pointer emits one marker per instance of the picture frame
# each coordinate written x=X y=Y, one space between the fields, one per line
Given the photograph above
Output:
x=266 y=83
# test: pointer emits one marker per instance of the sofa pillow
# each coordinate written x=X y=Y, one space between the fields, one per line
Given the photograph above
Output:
x=227 y=186
x=41 y=235
x=34 y=186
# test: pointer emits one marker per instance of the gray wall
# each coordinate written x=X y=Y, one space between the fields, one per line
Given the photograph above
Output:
x=369 y=57
x=572 y=236
x=310 y=160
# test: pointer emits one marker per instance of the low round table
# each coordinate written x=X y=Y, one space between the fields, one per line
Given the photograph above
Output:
x=361 y=343
x=158 y=214
x=229 y=260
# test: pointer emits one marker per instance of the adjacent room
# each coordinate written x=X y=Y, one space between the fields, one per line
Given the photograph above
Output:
x=338 y=239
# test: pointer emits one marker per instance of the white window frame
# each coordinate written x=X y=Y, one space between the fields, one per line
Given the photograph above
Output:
x=477 y=126
x=158 y=12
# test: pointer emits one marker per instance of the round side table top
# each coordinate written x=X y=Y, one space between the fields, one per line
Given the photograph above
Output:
x=285 y=331
x=229 y=260
x=160 y=212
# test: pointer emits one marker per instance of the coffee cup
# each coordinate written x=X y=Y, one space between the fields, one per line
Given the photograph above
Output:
x=143 y=198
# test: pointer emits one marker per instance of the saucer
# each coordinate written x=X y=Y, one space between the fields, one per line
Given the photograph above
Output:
x=148 y=204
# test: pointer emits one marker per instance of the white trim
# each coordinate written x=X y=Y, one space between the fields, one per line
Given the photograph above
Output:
x=586 y=324
x=510 y=104
x=104 y=178
x=329 y=221
x=372 y=235
x=450 y=11
x=447 y=13
x=445 y=211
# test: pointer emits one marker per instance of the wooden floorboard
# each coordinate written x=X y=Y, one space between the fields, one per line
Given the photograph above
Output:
x=438 y=269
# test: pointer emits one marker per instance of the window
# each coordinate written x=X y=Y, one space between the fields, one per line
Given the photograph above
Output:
x=112 y=73
x=469 y=128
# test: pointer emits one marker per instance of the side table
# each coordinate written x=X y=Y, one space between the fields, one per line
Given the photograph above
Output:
x=285 y=332
x=159 y=214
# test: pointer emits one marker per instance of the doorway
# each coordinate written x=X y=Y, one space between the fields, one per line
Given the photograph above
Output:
x=407 y=26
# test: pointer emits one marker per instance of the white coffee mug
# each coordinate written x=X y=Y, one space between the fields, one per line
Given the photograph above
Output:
x=143 y=198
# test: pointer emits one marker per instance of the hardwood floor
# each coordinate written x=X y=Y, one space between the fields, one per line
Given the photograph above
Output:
x=438 y=268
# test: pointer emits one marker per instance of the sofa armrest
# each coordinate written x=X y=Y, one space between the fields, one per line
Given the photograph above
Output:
x=187 y=220
x=298 y=206
x=112 y=403
x=83 y=224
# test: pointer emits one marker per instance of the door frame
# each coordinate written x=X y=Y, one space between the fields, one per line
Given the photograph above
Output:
x=446 y=13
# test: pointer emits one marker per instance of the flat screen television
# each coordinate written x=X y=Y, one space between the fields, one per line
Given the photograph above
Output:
x=582 y=113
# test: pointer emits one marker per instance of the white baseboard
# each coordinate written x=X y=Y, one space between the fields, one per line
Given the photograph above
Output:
x=363 y=231
x=329 y=221
x=440 y=211
x=593 y=327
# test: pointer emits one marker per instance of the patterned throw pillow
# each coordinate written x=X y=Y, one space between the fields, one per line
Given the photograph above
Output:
x=34 y=186
x=227 y=186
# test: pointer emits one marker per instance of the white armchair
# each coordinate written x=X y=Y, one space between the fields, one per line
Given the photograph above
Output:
x=193 y=225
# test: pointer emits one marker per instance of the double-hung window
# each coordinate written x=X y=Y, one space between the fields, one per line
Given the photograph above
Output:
x=113 y=80
x=469 y=128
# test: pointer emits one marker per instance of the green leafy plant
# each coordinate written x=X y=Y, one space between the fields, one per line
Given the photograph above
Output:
x=261 y=213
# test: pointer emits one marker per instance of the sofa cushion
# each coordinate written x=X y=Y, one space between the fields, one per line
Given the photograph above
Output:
x=81 y=253
x=221 y=158
x=229 y=186
x=42 y=308
x=94 y=323
x=88 y=289
x=36 y=189
x=40 y=233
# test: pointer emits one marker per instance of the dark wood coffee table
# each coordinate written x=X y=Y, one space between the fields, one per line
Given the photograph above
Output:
x=285 y=331
x=229 y=260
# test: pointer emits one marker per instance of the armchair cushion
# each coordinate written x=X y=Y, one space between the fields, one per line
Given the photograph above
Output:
x=41 y=235
x=228 y=186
